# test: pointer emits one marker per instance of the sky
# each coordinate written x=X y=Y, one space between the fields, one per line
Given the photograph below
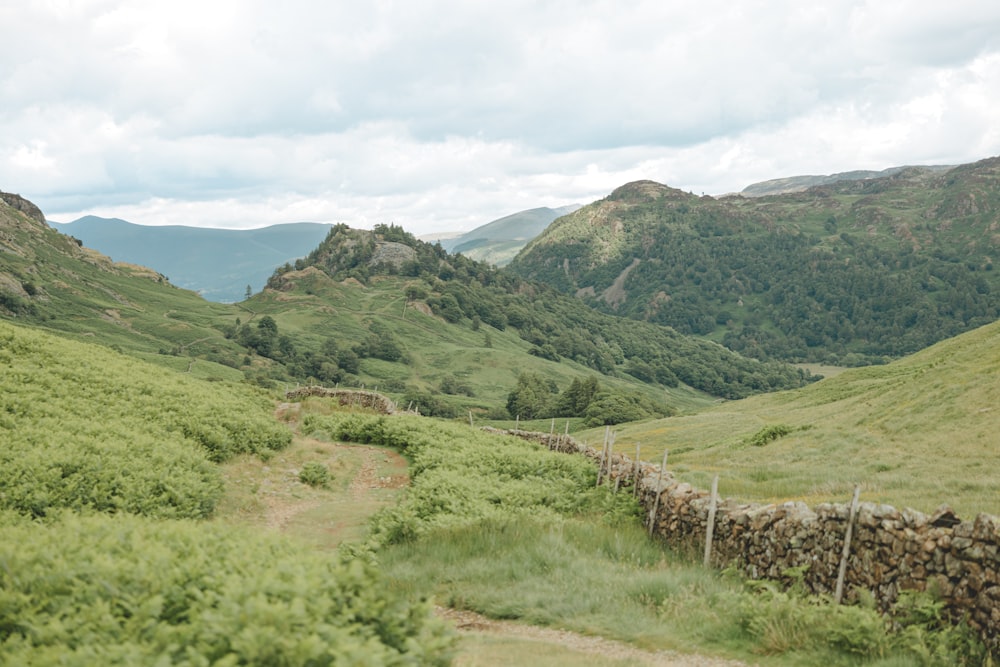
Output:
x=442 y=115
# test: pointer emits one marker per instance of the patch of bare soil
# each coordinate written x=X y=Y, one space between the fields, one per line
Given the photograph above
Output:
x=367 y=479
x=468 y=621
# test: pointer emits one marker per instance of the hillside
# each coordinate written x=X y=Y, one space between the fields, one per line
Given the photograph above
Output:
x=499 y=241
x=452 y=296
x=778 y=186
x=50 y=280
x=849 y=273
x=918 y=432
x=219 y=264
x=453 y=336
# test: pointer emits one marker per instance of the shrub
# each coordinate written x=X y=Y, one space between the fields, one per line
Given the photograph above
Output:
x=128 y=591
x=316 y=474
x=768 y=434
x=84 y=427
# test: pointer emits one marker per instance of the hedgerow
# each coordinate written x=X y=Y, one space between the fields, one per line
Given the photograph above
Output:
x=82 y=426
x=122 y=590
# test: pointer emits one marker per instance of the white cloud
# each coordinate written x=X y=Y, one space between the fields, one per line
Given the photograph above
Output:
x=443 y=114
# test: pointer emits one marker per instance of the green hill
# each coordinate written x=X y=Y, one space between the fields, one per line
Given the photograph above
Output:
x=445 y=333
x=219 y=264
x=499 y=241
x=915 y=433
x=848 y=273
x=467 y=303
x=777 y=186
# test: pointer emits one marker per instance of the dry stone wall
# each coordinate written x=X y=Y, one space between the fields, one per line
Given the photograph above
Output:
x=891 y=550
x=358 y=398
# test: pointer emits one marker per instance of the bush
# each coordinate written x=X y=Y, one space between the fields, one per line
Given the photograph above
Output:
x=316 y=474
x=128 y=591
x=82 y=427
x=768 y=434
x=461 y=476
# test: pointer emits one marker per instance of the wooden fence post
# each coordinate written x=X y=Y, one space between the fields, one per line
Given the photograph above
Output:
x=635 y=472
x=656 y=501
x=838 y=595
x=710 y=526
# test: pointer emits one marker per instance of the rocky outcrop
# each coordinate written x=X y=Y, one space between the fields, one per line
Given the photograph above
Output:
x=19 y=203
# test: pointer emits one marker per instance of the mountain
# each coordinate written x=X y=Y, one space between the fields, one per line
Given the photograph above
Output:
x=779 y=186
x=853 y=272
x=497 y=242
x=219 y=264
x=376 y=309
x=453 y=298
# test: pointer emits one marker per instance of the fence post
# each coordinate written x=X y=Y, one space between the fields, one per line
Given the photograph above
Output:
x=611 y=464
x=656 y=501
x=710 y=526
x=635 y=472
x=604 y=451
x=838 y=595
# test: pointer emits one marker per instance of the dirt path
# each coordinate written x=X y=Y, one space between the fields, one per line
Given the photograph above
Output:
x=282 y=508
x=471 y=622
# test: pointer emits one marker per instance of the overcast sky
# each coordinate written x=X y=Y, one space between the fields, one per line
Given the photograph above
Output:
x=445 y=115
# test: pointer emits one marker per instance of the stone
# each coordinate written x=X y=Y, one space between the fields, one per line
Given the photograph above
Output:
x=944 y=517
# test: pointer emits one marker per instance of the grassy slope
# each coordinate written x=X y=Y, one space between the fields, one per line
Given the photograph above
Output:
x=917 y=433
x=86 y=297
x=320 y=307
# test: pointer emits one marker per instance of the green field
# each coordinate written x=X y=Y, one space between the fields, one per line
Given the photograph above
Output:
x=916 y=433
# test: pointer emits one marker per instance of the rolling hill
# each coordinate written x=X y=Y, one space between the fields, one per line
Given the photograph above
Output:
x=219 y=264
x=854 y=272
x=450 y=335
x=499 y=241
x=918 y=432
x=779 y=186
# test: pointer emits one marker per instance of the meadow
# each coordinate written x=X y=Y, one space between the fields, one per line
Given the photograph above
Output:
x=918 y=432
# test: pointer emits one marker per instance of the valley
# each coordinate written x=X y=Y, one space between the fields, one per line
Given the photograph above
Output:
x=141 y=423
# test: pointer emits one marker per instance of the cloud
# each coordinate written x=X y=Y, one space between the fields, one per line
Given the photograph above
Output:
x=445 y=114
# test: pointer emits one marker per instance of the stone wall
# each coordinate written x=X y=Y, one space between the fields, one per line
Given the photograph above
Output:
x=358 y=398
x=891 y=550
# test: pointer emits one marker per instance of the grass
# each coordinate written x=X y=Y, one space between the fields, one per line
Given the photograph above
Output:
x=484 y=650
x=269 y=495
x=915 y=433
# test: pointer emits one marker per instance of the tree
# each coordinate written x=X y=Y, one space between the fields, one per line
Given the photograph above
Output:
x=532 y=397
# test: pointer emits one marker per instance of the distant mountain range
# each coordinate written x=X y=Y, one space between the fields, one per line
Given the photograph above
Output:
x=777 y=186
x=499 y=241
x=219 y=264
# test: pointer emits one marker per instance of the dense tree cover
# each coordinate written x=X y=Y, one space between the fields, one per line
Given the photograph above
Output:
x=124 y=591
x=463 y=291
x=851 y=273
x=534 y=397
x=84 y=427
